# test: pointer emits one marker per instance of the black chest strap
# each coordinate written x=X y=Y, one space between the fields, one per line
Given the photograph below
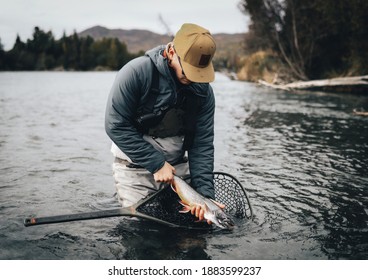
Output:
x=189 y=102
x=192 y=106
x=145 y=115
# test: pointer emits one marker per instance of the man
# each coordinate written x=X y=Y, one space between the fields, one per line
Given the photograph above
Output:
x=160 y=106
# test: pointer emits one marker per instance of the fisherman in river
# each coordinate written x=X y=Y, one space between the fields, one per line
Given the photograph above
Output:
x=160 y=117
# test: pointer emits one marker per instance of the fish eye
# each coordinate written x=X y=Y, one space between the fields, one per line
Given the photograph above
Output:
x=219 y=214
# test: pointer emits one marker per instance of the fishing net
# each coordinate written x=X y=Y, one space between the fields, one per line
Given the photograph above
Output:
x=228 y=190
x=231 y=193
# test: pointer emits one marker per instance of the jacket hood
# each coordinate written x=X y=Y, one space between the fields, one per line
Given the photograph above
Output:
x=158 y=60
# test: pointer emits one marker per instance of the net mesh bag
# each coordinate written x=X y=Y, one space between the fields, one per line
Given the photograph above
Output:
x=228 y=191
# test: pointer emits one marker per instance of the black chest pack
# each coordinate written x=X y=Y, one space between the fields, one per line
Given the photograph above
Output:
x=178 y=119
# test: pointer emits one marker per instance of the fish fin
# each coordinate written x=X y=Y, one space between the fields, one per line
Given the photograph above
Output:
x=185 y=208
x=206 y=207
x=183 y=203
x=222 y=206
x=173 y=188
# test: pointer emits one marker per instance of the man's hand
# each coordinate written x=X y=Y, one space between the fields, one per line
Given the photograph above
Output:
x=198 y=211
x=165 y=174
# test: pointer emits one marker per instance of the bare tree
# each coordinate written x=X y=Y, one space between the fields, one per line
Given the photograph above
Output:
x=166 y=26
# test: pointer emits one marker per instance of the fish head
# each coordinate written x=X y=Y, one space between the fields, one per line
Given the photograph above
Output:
x=223 y=220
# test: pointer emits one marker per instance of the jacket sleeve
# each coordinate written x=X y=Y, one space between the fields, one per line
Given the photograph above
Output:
x=121 y=111
x=201 y=154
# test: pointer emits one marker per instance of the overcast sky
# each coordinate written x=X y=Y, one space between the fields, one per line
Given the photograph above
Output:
x=21 y=16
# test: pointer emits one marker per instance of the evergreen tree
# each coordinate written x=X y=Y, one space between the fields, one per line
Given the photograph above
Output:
x=41 y=46
x=2 y=57
x=86 y=56
x=19 y=57
x=43 y=52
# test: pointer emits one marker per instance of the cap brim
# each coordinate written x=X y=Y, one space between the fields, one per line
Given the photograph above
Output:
x=198 y=75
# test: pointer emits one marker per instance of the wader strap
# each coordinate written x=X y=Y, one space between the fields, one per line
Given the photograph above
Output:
x=137 y=166
x=147 y=119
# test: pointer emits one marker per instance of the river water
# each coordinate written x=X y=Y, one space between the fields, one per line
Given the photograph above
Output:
x=302 y=157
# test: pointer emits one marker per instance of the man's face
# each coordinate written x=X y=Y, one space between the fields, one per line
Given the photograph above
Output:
x=176 y=65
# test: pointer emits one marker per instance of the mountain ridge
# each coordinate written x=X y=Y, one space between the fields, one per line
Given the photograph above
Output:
x=143 y=40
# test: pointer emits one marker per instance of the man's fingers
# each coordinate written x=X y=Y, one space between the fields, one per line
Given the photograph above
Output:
x=198 y=212
x=163 y=178
x=165 y=174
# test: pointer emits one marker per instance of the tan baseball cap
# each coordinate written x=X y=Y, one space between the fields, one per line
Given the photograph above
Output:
x=196 y=47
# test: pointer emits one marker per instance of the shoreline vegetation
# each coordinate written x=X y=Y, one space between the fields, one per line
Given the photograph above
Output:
x=290 y=45
x=74 y=53
x=291 y=42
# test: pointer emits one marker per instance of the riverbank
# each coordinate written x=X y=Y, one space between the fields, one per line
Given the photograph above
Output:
x=263 y=65
x=357 y=84
x=265 y=68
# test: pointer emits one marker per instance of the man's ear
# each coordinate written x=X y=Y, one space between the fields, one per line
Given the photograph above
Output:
x=171 y=53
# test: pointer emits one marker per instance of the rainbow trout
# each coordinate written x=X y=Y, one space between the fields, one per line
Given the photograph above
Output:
x=189 y=198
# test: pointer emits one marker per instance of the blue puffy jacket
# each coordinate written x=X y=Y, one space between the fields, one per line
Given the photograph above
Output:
x=131 y=89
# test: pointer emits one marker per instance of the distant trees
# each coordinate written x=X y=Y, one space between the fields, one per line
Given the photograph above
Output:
x=2 y=53
x=315 y=38
x=43 y=52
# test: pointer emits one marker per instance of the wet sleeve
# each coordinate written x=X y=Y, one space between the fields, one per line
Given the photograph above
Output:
x=120 y=115
x=201 y=154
